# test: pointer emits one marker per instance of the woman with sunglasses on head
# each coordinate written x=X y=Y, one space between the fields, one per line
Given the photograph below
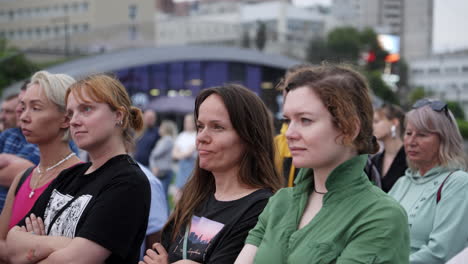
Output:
x=386 y=167
x=333 y=214
x=95 y=212
x=233 y=178
x=434 y=189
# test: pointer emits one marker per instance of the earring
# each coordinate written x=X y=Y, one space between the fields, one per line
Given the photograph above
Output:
x=393 y=131
x=120 y=123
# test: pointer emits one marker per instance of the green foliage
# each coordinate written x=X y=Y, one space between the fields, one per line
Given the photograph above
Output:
x=317 y=51
x=416 y=94
x=260 y=39
x=463 y=126
x=456 y=110
x=381 y=89
x=344 y=44
x=14 y=66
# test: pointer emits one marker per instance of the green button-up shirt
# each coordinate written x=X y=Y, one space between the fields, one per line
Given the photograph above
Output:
x=358 y=223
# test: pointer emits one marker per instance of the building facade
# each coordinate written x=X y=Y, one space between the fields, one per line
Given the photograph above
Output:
x=411 y=20
x=77 y=26
x=444 y=76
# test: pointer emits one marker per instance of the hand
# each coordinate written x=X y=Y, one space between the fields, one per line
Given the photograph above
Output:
x=35 y=225
x=156 y=256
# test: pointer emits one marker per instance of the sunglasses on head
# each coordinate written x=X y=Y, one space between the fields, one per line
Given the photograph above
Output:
x=435 y=105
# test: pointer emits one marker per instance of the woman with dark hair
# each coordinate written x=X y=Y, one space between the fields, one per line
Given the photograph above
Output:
x=434 y=190
x=386 y=167
x=233 y=179
x=334 y=214
x=94 y=212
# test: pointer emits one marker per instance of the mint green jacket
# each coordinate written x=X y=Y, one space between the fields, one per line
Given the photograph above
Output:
x=438 y=231
x=358 y=222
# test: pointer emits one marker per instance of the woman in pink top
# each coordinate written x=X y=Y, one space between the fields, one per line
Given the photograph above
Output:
x=43 y=122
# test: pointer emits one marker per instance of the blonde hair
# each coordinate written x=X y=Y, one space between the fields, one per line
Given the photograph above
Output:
x=424 y=119
x=55 y=87
x=103 y=88
x=169 y=128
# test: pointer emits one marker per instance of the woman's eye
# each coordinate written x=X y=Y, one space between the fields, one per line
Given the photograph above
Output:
x=199 y=127
x=218 y=127
x=286 y=121
x=305 y=121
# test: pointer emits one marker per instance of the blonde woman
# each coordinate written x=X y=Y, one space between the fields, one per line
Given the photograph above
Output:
x=43 y=122
x=98 y=211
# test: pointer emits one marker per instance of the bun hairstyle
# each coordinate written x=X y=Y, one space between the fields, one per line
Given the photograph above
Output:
x=103 y=88
x=345 y=94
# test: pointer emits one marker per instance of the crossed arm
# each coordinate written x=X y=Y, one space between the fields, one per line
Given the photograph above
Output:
x=29 y=245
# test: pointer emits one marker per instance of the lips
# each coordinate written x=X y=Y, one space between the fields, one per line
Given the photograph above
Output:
x=26 y=132
x=296 y=150
x=202 y=152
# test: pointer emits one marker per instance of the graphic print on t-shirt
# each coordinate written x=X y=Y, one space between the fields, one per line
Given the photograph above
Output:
x=66 y=223
x=202 y=232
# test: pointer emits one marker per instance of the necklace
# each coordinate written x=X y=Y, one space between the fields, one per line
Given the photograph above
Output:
x=318 y=191
x=31 y=194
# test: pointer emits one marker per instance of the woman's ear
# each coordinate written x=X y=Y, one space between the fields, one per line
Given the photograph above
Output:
x=65 y=123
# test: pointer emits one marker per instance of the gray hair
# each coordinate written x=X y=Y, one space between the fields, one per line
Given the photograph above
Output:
x=451 y=153
x=55 y=87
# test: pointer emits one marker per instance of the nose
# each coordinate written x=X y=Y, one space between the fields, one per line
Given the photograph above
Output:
x=203 y=136
x=291 y=132
x=410 y=140
x=74 y=120
x=23 y=115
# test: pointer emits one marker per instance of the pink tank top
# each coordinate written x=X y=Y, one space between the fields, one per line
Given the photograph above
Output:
x=22 y=203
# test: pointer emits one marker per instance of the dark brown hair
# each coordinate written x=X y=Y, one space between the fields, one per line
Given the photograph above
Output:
x=250 y=118
x=103 y=88
x=345 y=94
x=391 y=111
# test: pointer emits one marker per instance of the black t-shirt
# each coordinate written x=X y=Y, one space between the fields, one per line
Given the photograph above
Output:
x=110 y=207
x=218 y=229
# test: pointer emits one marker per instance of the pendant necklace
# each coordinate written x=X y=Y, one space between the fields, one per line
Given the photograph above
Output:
x=31 y=194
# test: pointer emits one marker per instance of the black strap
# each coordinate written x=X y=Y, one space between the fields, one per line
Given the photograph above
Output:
x=439 y=191
x=60 y=212
x=374 y=173
x=23 y=178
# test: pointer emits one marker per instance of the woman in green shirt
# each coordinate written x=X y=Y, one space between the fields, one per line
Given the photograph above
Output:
x=334 y=214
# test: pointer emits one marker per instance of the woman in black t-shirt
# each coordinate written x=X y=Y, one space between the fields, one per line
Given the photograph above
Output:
x=233 y=179
x=94 y=212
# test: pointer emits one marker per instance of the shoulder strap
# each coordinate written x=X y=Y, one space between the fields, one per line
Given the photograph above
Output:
x=439 y=191
x=23 y=178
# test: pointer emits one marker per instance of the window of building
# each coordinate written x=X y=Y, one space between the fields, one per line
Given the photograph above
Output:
x=417 y=71
x=84 y=6
x=452 y=69
x=433 y=70
x=132 y=12
x=464 y=68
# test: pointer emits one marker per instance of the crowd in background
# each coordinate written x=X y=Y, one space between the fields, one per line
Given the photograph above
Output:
x=86 y=177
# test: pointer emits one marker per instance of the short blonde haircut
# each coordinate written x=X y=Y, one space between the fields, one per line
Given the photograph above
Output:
x=424 y=119
x=55 y=87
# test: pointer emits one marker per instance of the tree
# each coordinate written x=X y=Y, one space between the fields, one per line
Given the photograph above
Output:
x=344 y=44
x=260 y=39
x=380 y=88
x=14 y=66
x=317 y=51
x=456 y=110
x=416 y=94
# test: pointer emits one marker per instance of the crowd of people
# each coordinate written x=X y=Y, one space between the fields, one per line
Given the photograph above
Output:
x=85 y=176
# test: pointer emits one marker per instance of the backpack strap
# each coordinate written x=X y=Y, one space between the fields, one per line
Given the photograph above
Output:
x=439 y=191
x=23 y=178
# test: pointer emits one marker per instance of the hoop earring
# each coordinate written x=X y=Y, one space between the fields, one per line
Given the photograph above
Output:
x=120 y=123
x=393 y=131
